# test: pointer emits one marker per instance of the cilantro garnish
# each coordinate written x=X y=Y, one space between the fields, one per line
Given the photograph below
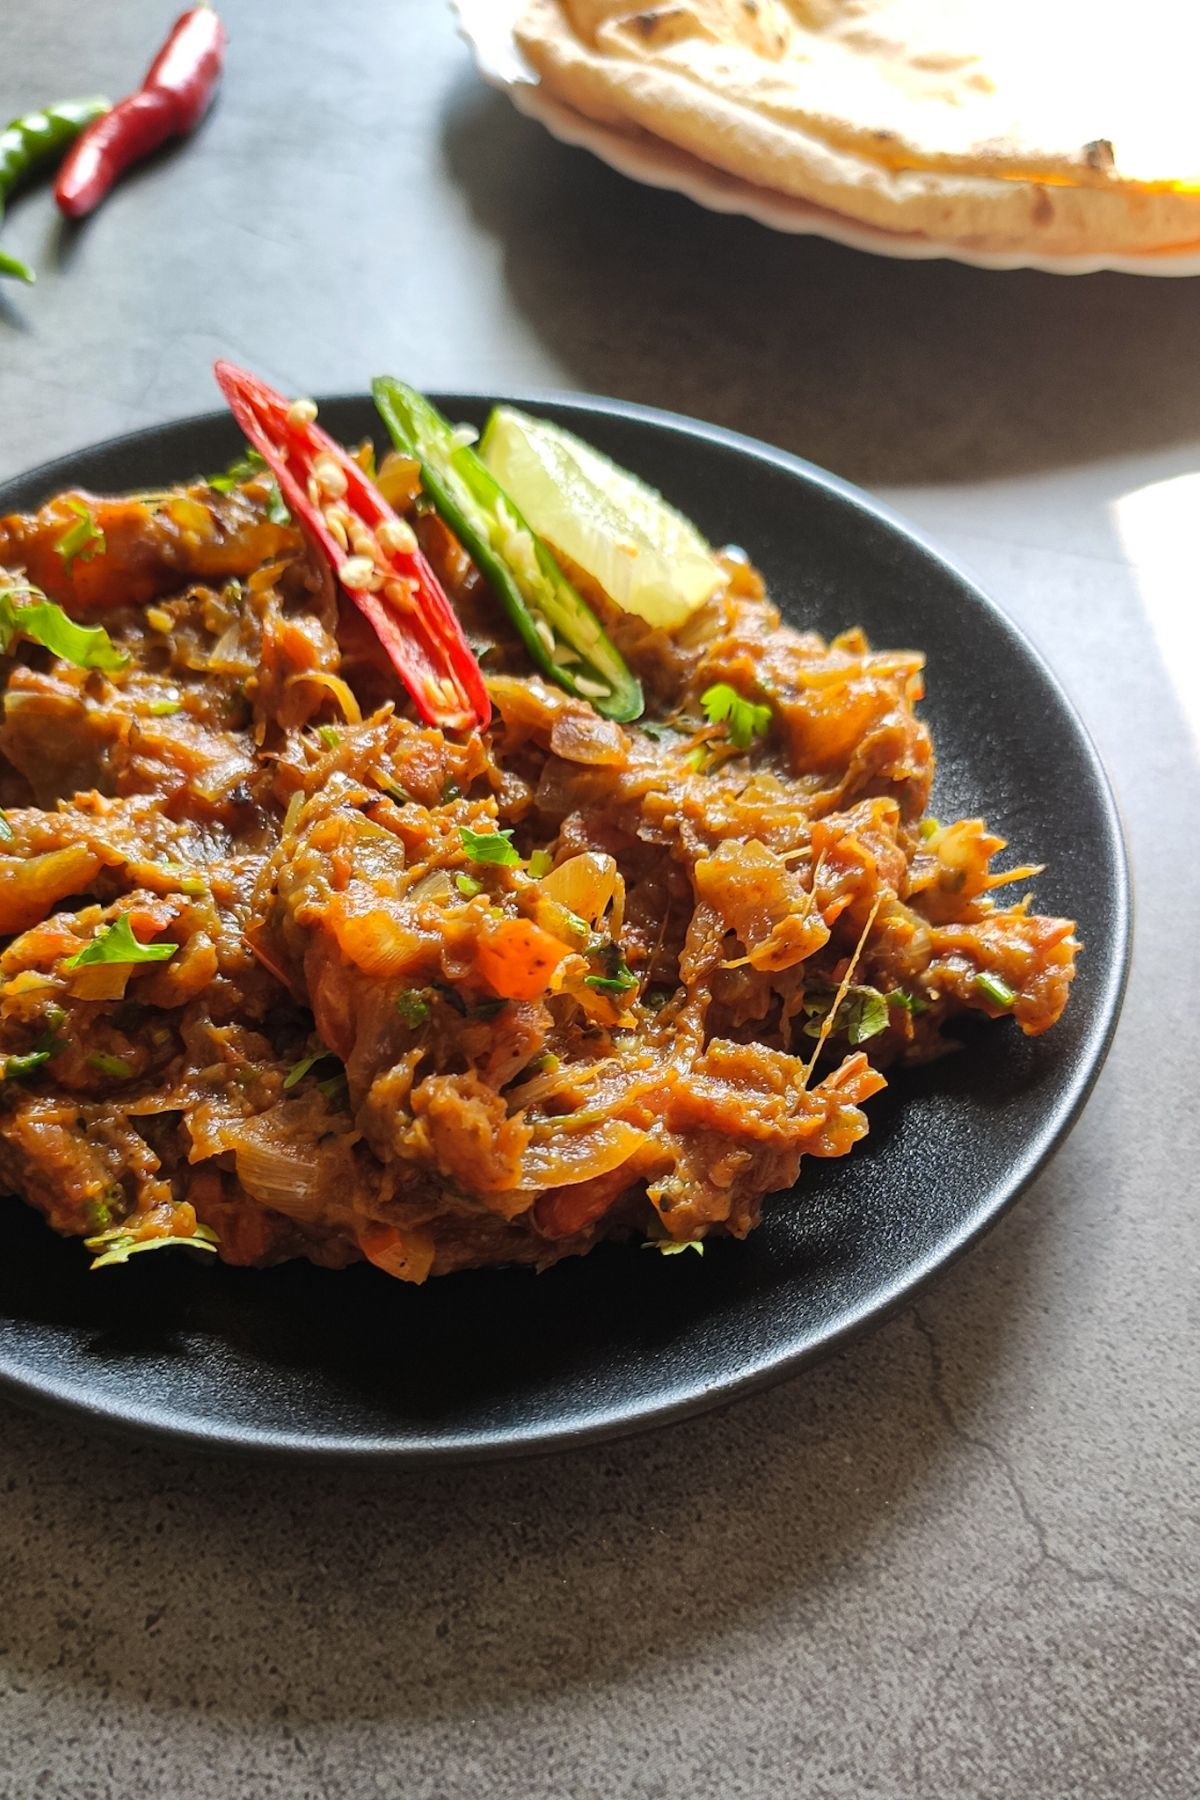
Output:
x=41 y=621
x=658 y=729
x=84 y=539
x=489 y=846
x=118 y=945
x=248 y=467
x=413 y=1007
x=119 y=1244
x=745 y=719
x=910 y=1003
x=862 y=1014
x=277 y=510
x=15 y=1068
x=334 y=1090
x=617 y=977
x=300 y=1069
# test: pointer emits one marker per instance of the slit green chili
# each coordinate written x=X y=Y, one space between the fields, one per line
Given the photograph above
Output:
x=31 y=143
x=560 y=631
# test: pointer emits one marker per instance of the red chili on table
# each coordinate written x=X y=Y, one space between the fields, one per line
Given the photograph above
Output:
x=172 y=100
x=371 y=550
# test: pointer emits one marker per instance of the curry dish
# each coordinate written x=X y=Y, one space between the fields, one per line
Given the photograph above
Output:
x=287 y=972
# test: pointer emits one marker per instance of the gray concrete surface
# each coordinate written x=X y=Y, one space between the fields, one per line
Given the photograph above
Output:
x=957 y=1562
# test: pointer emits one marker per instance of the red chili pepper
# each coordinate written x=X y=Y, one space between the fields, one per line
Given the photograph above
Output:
x=172 y=100
x=393 y=586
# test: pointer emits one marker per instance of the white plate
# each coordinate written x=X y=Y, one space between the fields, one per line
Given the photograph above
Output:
x=487 y=26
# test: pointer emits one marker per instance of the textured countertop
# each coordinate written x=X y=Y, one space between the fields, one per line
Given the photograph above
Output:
x=958 y=1561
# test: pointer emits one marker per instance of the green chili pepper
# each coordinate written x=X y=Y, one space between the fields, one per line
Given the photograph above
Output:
x=29 y=144
x=558 y=628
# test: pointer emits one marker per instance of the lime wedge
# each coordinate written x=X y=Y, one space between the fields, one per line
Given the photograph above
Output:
x=639 y=551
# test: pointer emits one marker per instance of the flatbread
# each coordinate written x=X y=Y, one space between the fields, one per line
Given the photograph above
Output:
x=1030 y=125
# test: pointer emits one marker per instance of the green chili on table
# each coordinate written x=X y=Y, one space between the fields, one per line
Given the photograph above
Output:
x=29 y=144
x=560 y=631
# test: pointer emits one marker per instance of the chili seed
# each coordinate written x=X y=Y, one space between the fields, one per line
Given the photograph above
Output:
x=330 y=477
x=302 y=412
x=399 y=593
x=356 y=572
x=396 y=537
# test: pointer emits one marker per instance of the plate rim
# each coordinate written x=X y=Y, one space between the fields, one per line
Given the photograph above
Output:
x=659 y=164
x=47 y=1394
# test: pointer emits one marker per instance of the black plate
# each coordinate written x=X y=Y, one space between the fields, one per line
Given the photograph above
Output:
x=499 y=1363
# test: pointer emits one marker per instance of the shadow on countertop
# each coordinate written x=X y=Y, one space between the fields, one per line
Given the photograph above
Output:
x=264 y=1591
x=892 y=373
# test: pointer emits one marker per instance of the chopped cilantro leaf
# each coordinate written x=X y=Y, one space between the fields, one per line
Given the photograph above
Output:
x=117 y=944
x=15 y=1068
x=617 y=977
x=333 y=1089
x=84 y=539
x=42 y=622
x=489 y=846
x=745 y=719
x=119 y=1244
x=300 y=1069
x=413 y=1007
x=277 y=510
x=910 y=1003
x=863 y=1014
x=658 y=729
x=246 y=468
